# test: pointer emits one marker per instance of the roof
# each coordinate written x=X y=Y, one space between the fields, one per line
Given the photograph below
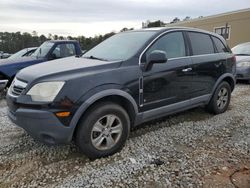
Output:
x=61 y=41
x=163 y=29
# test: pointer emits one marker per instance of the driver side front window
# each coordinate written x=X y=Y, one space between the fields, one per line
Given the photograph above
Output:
x=172 y=44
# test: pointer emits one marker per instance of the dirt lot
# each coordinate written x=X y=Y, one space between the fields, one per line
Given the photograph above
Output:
x=190 y=149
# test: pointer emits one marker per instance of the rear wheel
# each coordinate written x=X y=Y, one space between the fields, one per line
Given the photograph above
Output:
x=221 y=99
x=103 y=131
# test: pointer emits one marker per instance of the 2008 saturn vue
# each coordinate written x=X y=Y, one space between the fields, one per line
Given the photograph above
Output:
x=128 y=79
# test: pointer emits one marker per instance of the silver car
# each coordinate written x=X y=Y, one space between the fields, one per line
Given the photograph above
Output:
x=242 y=53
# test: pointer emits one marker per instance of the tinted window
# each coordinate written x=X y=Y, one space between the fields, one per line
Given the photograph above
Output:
x=64 y=50
x=219 y=45
x=173 y=44
x=201 y=43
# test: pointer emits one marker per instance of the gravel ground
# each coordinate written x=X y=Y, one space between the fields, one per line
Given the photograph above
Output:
x=189 y=149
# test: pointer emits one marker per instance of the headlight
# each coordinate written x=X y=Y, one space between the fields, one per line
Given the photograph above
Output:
x=45 y=91
x=243 y=64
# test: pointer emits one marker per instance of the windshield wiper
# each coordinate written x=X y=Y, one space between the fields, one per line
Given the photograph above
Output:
x=243 y=54
x=98 y=58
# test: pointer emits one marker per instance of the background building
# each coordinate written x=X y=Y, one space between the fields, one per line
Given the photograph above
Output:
x=233 y=26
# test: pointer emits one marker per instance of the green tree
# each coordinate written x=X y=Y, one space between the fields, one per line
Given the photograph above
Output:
x=13 y=42
x=157 y=23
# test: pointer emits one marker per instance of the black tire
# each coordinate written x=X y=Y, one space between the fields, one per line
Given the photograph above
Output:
x=85 y=131
x=213 y=106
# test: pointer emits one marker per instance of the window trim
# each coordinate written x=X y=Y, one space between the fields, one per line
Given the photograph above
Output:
x=169 y=31
x=221 y=27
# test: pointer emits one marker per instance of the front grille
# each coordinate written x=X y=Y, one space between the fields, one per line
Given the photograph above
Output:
x=17 y=90
x=17 y=87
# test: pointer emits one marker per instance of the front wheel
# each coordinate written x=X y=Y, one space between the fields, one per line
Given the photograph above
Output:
x=103 y=131
x=220 y=99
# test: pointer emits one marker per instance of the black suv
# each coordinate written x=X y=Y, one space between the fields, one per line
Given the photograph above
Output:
x=128 y=79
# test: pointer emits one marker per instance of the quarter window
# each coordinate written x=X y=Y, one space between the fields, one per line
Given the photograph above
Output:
x=173 y=44
x=219 y=45
x=201 y=43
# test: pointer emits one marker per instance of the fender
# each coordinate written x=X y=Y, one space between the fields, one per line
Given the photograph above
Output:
x=219 y=80
x=96 y=97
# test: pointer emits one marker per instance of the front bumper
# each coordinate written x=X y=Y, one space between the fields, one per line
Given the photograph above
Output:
x=3 y=84
x=242 y=73
x=40 y=124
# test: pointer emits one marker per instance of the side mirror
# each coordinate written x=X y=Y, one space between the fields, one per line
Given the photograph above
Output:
x=156 y=56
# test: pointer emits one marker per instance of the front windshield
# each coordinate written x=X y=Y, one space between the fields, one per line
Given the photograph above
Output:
x=43 y=50
x=18 y=54
x=242 y=49
x=120 y=47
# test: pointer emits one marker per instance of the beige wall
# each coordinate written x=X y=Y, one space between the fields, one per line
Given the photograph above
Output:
x=238 y=21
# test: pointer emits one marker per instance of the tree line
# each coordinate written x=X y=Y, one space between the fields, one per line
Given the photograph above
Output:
x=15 y=41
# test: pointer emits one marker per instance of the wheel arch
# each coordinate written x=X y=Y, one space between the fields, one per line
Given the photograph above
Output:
x=114 y=95
x=228 y=78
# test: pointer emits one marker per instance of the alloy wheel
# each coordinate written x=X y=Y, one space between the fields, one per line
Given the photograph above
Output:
x=222 y=98
x=106 y=132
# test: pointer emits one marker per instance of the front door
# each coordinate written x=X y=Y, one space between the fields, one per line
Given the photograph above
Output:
x=167 y=83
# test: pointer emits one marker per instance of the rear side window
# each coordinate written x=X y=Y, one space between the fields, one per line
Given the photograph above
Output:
x=219 y=45
x=201 y=43
x=172 y=43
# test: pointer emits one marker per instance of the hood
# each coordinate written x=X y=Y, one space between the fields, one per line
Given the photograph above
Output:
x=18 y=60
x=240 y=58
x=63 y=67
x=10 y=67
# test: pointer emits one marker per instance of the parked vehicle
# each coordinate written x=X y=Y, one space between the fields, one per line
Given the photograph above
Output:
x=128 y=79
x=4 y=55
x=49 y=50
x=23 y=53
x=242 y=52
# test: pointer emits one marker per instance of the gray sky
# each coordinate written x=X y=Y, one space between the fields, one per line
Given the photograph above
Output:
x=93 y=17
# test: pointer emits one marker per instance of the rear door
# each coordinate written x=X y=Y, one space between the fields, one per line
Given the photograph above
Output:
x=167 y=83
x=206 y=63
